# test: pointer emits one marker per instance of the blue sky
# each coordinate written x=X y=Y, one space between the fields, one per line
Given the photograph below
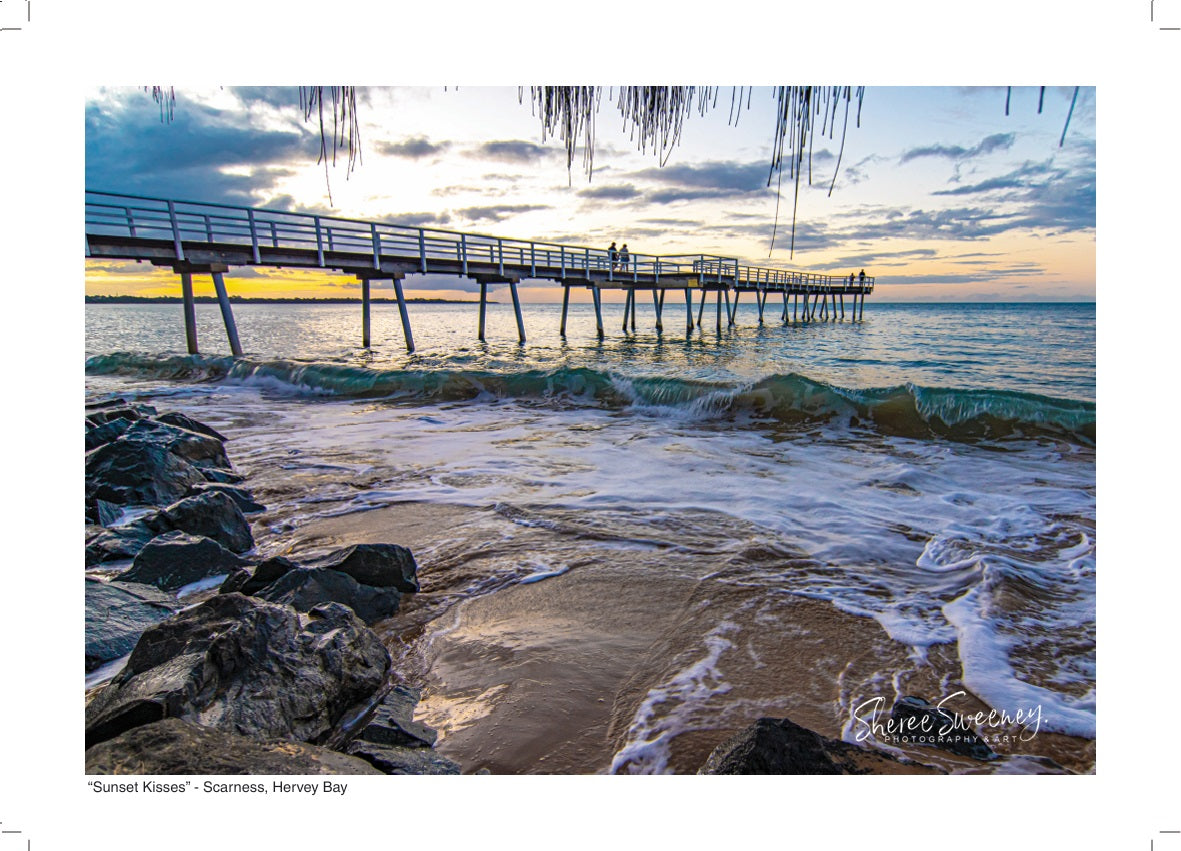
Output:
x=940 y=194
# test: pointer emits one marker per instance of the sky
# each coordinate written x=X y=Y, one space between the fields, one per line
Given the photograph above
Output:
x=940 y=195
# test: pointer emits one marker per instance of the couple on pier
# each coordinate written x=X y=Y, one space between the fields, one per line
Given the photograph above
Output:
x=619 y=259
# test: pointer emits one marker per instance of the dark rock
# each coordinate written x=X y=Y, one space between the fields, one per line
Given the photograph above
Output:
x=212 y=515
x=245 y=666
x=391 y=759
x=190 y=424
x=393 y=722
x=927 y=725
x=101 y=513
x=130 y=472
x=178 y=747
x=780 y=746
x=228 y=477
x=239 y=495
x=122 y=542
x=380 y=565
x=116 y=616
x=306 y=587
x=200 y=450
x=251 y=583
x=175 y=559
x=121 y=410
x=97 y=435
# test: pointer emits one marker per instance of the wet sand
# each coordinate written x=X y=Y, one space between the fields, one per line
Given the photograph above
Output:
x=637 y=655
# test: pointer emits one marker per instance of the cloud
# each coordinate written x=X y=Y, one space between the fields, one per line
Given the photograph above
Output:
x=995 y=142
x=512 y=151
x=204 y=154
x=416 y=220
x=617 y=192
x=497 y=213
x=1017 y=179
x=413 y=148
x=717 y=177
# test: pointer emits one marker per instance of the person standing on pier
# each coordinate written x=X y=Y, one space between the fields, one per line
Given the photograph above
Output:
x=851 y=278
x=861 y=277
x=614 y=255
x=623 y=258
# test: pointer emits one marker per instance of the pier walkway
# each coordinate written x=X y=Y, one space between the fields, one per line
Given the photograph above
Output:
x=197 y=238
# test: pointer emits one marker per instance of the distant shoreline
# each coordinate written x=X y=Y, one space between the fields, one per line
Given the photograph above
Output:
x=208 y=299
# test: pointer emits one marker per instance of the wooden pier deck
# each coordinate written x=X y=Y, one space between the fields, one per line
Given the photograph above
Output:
x=198 y=238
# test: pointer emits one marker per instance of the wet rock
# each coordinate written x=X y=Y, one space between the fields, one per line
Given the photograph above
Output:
x=239 y=495
x=131 y=472
x=97 y=435
x=225 y=476
x=393 y=722
x=178 y=747
x=212 y=515
x=306 y=587
x=929 y=726
x=190 y=424
x=175 y=559
x=116 y=616
x=264 y=574
x=122 y=542
x=245 y=666
x=99 y=512
x=380 y=565
x=780 y=746
x=200 y=450
x=391 y=759
x=118 y=409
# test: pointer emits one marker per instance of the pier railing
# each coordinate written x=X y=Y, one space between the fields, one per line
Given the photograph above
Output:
x=326 y=238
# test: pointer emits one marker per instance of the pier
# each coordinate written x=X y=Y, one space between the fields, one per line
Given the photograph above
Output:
x=195 y=238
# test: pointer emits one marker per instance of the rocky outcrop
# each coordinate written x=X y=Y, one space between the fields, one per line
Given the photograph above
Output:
x=780 y=746
x=131 y=472
x=190 y=424
x=246 y=582
x=198 y=449
x=116 y=616
x=927 y=725
x=307 y=587
x=173 y=746
x=211 y=515
x=245 y=666
x=390 y=759
x=395 y=743
x=175 y=559
x=379 y=565
x=122 y=542
x=239 y=495
x=392 y=722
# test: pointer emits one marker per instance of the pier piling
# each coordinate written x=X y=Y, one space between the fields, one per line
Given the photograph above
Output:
x=595 y=295
x=405 y=316
x=186 y=288
x=227 y=313
x=365 y=313
x=565 y=308
x=484 y=310
x=512 y=285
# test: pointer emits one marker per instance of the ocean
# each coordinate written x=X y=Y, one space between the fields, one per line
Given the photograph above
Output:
x=631 y=548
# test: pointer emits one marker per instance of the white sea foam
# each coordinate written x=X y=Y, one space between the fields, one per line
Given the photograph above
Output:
x=669 y=709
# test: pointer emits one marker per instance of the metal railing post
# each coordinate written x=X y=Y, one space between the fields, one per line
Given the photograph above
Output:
x=500 y=256
x=376 y=245
x=421 y=250
x=319 y=244
x=180 y=251
x=463 y=250
x=253 y=236
x=130 y=221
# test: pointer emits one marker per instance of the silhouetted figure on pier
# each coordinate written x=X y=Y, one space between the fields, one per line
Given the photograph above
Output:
x=861 y=277
x=623 y=258
x=614 y=255
x=851 y=278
